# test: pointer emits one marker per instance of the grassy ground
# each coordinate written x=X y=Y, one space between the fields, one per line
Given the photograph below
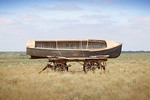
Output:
x=125 y=78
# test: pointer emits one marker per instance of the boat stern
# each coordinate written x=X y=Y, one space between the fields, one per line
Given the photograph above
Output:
x=30 y=44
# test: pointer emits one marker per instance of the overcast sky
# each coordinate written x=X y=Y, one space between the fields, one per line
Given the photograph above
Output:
x=125 y=21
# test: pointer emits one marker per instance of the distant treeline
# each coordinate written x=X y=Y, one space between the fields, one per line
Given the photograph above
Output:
x=16 y=53
x=135 y=51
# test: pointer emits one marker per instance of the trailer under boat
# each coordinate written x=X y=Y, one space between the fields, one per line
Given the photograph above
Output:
x=89 y=63
x=92 y=52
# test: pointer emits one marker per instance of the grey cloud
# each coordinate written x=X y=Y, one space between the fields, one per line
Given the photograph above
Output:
x=69 y=21
x=7 y=21
x=70 y=0
x=31 y=18
x=122 y=13
x=58 y=8
x=131 y=36
x=6 y=13
x=108 y=2
x=14 y=36
x=38 y=19
x=102 y=2
x=94 y=16
x=140 y=19
x=97 y=19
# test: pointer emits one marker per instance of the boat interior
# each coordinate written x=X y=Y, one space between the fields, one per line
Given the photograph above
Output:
x=71 y=44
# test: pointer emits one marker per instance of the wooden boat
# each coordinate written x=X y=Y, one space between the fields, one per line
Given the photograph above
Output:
x=73 y=48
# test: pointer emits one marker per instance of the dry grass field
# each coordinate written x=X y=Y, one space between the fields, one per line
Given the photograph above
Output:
x=125 y=78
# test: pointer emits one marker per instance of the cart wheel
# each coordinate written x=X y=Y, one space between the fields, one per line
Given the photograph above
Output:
x=90 y=66
x=66 y=67
x=60 y=67
x=86 y=68
x=103 y=65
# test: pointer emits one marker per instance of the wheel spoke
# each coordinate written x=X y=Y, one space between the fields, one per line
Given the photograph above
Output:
x=90 y=66
x=61 y=67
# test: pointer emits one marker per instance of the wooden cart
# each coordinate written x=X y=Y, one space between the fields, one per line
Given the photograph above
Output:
x=89 y=63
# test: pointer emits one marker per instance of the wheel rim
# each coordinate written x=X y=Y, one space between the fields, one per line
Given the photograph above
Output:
x=90 y=66
x=60 y=67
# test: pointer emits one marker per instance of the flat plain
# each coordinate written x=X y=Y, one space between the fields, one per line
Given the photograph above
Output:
x=126 y=78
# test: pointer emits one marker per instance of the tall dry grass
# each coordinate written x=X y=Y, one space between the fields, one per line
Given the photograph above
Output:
x=125 y=78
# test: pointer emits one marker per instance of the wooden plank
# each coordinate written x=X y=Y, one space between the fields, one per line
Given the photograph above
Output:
x=72 y=48
x=99 y=57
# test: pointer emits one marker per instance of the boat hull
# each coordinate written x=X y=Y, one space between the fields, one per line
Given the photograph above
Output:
x=43 y=53
x=113 y=52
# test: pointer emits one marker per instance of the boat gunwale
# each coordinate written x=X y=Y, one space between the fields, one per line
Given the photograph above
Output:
x=117 y=44
x=66 y=40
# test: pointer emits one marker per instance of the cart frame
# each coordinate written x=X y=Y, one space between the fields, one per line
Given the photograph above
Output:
x=89 y=63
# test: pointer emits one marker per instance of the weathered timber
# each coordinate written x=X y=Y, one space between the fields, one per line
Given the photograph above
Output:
x=89 y=63
x=73 y=48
